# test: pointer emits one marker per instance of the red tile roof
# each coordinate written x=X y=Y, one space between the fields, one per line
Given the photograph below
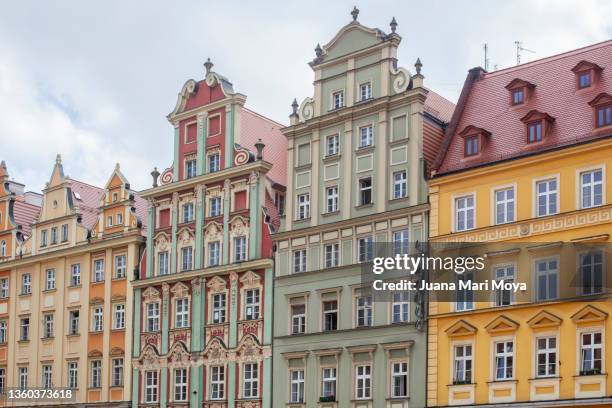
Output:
x=24 y=214
x=439 y=107
x=485 y=103
x=87 y=198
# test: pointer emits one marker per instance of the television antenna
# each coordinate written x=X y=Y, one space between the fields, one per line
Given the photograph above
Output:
x=519 y=48
x=486 y=56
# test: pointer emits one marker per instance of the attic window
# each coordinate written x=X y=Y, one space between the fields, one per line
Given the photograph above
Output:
x=537 y=125
x=602 y=106
x=471 y=146
x=474 y=141
x=518 y=96
x=586 y=74
x=77 y=195
x=519 y=91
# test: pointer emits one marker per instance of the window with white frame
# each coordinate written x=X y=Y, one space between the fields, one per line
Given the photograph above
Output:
x=331 y=199
x=4 y=288
x=109 y=221
x=181 y=318
x=365 y=191
x=400 y=307
x=591 y=272
x=23 y=378
x=151 y=383
x=180 y=384
x=120 y=266
x=546 y=356
x=400 y=184
x=48 y=325
x=546 y=193
x=26 y=284
x=332 y=145
x=119 y=219
x=73 y=375
x=591 y=188
x=153 y=317
x=119 y=316
x=214 y=162
x=504 y=360
x=186 y=258
x=117 y=372
x=299 y=260
x=590 y=353
x=400 y=242
x=75 y=275
x=251 y=304
x=504 y=205
x=547 y=278
x=240 y=249
x=366 y=136
x=73 y=322
x=363 y=381
x=215 y=206
x=365 y=91
x=43 y=238
x=98 y=270
x=464 y=213
x=3 y=332
x=2 y=376
x=2 y=249
x=250 y=384
x=365 y=249
x=504 y=297
x=50 y=279
x=332 y=255
x=330 y=315
x=96 y=374
x=162 y=263
x=24 y=329
x=97 y=323
x=462 y=364
x=303 y=210
x=214 y=253
x=217 y=382
x=338 y=99
x=187 y=212
x=54 y=235
x=363 y=306
x=328 y=383
x=298 y=319
x=190 y=169
x=218 y=308
x=399 y=379
x=297 y=386
x=64 y=232
x=464 y=295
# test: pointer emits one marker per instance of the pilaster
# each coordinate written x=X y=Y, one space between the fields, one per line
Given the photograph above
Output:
x=173 y=254
x=165 y=318
x=200 y=193
x=254 y=213
x=176 y=164
x=150 y=234
x=201 y=143
x=229 y=135
x=226 y=212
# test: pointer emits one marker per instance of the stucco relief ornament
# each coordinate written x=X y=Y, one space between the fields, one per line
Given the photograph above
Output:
x=185 y=237
x=149 y=359
x=253 y=177
x=226 y=187
x=216 y=354
x=239 y=227
x=179 y=356
x=249 y=350
x=180 y=290
x=167 y=176
x=401 y=81
x=150 y=294
x=162 y=243
x=165 y=290
x=175 y=198
x=307 y=109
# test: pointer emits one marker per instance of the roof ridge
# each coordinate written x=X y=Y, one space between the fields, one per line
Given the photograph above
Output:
x=263 y=116
x=87 y=184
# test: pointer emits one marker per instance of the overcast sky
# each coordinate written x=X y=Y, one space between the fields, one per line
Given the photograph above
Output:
x=95 y=80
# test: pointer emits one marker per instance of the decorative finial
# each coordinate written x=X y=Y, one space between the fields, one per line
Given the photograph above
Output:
x=208 y=65
x=393 y=24
x=259 y=146
x=355 y=13
x=418 y=65
x=117 y=166
x=319 y=50
x=294 y=106
x=155 y=175
x=58 y=159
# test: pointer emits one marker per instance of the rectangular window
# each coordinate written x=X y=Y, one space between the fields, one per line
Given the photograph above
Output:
x=464 y=213
x=23 y=378
x=504 y=206
x=218 y=311
x=584 y=80
x=96 y=374
x=97 y=319
x=215 y=206
x=217 y=382
x=365 y=249
x=591 y=188
x=24 y=329
x=465 y=296
x=363 y=305
x=213 y=253
x=604 y=116
x=152 y=317
x=298 y=319
x=462 y=366
x=26 y=284
x=120 y=266
x=64 y=232
x=73 y=375
x=73 y=324
x=400 y=185
x=399 y=380
x=504 y=360
x=365 y=91
x=332 y=255
x=471 y=147
x=400 y=242
x=2 y=380
x=328 y=385
x=119 y=316
x=3 y=333
x=187 y=212
x=333 y=145
x=117 y=372
x=43 y=238
x=180 y=384
x=251 y=304
x=214 y=162
x=98 y=270
x=546 y=197
x=400 y=307
x=151 y=386
x=547 y=272
x=299 y=260
x=303 y=210
x=297 y=386
x=181 y=319
x=591 y=272
x=251 y=380
x=590 y=353
x=54 y=235
x=190 y=169
x=4 y=288
x=109 y=221
x=517 y=96
x=546 y=356
x=535 y=132
x=504 y=297
x=331 y=194
x=119 y=219
x=240 y=249
x=363 y=382
x=338 y=99
x=365 y=191
x=186 y=258
x=48 y=326
x=330 y=315
x=162 y=263
x=50 y=279
x=366 y=136
x=75 y=275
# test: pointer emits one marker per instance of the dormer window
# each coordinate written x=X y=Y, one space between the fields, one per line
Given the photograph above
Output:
x=537 y=125
x=474 y=141
x=338 y=99
x=519 y=91
x=471 y=146
x=586 y=74
x=602 y=105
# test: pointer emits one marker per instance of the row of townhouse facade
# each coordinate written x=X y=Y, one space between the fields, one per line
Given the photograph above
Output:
x=241 y=278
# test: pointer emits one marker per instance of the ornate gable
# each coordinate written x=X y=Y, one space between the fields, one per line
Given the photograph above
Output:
x=544 y=319
x=216 y=284
x=502 y=324
x=180 y=290
x=216 y=352
x=151 y=294
x=250 y=279
x=461 y=328
x=249 y=349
